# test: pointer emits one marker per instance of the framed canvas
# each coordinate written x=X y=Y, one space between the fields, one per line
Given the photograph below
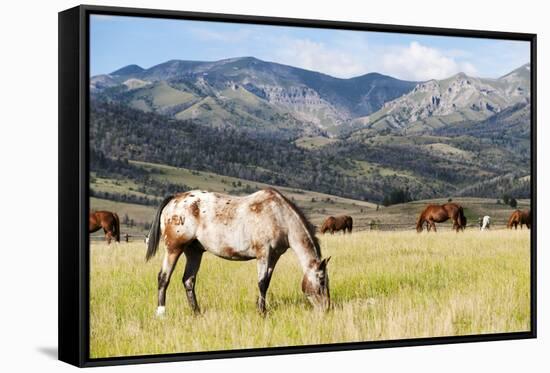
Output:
x=215 y=171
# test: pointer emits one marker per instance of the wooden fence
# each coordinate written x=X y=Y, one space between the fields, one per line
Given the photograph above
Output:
x=495 y=225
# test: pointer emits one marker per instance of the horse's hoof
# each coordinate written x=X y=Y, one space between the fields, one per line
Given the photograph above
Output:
x=161 y=311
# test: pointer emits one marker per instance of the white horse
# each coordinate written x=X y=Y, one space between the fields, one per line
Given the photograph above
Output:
x=486 y=223
x=259 y=226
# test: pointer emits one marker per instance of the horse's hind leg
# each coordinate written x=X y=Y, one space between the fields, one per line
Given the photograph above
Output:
x=193 y=254
x=107 y=236
x=168 y=264
x=456 y=226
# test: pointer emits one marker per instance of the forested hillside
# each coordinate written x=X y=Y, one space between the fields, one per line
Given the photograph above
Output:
x=365 y=168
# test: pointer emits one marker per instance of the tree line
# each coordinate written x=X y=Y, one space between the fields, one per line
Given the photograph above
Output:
x=119 y=133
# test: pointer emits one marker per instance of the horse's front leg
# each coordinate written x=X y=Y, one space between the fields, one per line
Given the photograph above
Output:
x=168 y=264
x=263 y=282
x=265 y=271
x=193 y=255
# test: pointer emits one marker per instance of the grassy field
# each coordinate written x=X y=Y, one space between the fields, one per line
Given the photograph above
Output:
x=384 y=285
x=317 y=206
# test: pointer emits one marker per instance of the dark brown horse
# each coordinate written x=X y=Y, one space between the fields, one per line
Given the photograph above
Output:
x=337 y=223
x=107 y=220
x=439 y=214
x=519 y=217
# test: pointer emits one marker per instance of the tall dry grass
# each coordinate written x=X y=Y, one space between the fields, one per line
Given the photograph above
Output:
x=384 y=285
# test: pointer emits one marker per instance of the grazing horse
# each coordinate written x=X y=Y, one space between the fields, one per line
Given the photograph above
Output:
x=337 y=223
x=440 y=213
x=485 y=223
x=260 y=226
x=107 y=220
x=519 y=217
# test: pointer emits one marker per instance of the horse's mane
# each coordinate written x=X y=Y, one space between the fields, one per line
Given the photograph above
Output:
x=310 y=228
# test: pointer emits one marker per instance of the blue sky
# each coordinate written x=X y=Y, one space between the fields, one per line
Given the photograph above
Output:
x=120 y=41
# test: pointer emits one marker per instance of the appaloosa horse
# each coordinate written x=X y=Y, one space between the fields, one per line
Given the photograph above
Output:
x=107 y=220
x=259 y=226
x=337 y=223
x=519 y=217
x=440 y=213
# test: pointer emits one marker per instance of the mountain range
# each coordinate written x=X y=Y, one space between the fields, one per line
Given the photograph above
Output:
x=434 y=138
x=458 y=99
x=249 y=93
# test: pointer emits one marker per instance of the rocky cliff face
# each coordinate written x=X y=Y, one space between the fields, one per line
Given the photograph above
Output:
x=306 y=104
x=458 y=98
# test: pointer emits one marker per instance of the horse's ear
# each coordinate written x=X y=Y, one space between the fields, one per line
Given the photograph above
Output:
x=324 y=263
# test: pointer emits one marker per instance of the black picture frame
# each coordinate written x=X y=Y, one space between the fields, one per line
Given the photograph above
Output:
x=74 y=184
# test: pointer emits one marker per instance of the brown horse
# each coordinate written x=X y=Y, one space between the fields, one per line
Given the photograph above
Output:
x=519 y=217
x=107 y=220
x=439 y=214
x=337 y=223
x=259 y=226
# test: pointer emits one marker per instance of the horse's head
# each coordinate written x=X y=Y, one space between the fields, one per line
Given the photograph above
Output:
x=420 y=225
x=315 y=285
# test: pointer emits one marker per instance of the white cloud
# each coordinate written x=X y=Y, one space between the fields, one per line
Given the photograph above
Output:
x=343 y=55
x=349 y=57
x=316 y=56
x=206 y=34
x=419 y=62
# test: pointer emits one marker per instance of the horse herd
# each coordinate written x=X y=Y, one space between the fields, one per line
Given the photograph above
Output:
x=261 y=226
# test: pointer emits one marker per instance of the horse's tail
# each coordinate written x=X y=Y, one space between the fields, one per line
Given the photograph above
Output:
x=154 y=232
x=350 y=224
x=117 y=227
x=461 y=218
